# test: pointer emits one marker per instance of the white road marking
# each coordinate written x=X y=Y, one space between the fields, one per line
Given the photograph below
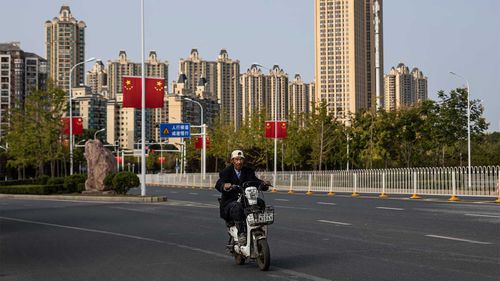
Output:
x=215 y=195
x=193 y=193
x=335 y=222
x=481 y=215
x=173 y=192
x=279 y=199
x=389 y=208
x=458 y=239
x=326 y=203
x=294 y=274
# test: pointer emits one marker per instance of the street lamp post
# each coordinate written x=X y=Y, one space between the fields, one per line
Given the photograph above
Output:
x=204 y=140
x=98 y=131
x=275 y=122
x=468 y=128
x=71 y=114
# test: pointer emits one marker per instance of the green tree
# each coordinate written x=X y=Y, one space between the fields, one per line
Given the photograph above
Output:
x=35 y=134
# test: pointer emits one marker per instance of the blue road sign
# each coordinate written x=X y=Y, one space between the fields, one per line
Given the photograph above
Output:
x=175 y=130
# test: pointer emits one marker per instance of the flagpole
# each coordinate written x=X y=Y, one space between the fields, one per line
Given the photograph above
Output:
x=143 y=108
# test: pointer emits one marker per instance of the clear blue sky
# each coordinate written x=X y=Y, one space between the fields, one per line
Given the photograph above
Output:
x=436 y=36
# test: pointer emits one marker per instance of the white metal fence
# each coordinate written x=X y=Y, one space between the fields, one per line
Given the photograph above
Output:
x=421 y=181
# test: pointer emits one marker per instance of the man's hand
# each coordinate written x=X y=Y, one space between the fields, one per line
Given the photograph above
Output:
x=227 y=186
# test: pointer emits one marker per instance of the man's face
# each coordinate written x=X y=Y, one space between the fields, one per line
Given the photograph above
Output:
x=237 y=162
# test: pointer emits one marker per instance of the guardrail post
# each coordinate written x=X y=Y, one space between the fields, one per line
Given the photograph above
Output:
x=331 y=193
x=415 y=196
x=309 y=183
x=274 y=180
x=210 y=182
x=454 y=186
x=498 y=186
x=383 y=195
x=354 y=193
x=290 y=191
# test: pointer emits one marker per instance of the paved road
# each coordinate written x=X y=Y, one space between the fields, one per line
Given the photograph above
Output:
x=313 y=238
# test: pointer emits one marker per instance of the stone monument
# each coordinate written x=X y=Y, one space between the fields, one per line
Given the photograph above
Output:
x=100 y=163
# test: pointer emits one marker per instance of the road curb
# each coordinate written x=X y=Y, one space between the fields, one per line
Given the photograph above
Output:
x=145 y=199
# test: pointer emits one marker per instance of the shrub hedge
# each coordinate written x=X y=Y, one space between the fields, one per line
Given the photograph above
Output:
x=73 y=183
x=31 y=189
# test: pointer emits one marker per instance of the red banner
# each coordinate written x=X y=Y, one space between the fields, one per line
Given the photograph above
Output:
x=161 y=159
x=198 y=142
x=270 y=129
x=132 y=92
x=77 y=125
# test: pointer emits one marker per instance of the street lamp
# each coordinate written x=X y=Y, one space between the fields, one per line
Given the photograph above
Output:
x=275 y=122
x=204 y=140
x=468 y=128
x=71 y=114
x=98 y=131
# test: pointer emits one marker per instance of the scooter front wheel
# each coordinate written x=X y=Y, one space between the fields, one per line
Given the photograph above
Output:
x=239 y=259
x=263 y=255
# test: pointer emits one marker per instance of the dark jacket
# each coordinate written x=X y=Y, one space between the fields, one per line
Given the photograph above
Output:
x=228 y=175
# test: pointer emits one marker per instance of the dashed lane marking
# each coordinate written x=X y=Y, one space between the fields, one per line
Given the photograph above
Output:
x=390 y=208
x=481 y=215
x=458 y=239
x=280 y=199
x=335 y=222
x=326 y=203
x=193 y=193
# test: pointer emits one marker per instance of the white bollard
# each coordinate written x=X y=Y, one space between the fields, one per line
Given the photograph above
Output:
x=309 y=192
x=454 y=188
x=383 y=195
x=331 y=193
x=355 y=193
x=290 y=191
x=415 y=196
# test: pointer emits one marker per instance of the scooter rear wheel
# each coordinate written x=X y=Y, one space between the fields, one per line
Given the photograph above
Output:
x=263 y=255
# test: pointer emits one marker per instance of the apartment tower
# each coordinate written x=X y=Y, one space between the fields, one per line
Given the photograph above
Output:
x=345 y=57
x=65 y=47
x=404 y=88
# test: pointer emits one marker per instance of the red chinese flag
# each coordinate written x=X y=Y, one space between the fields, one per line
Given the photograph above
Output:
x=270 y=129
x=77 y=125
x=198 y=143
x=132 y=92
x=155 y=92
x=161 y=159
x=281 y=129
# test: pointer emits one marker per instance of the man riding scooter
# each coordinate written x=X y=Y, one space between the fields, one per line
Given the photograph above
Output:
x=235 y=175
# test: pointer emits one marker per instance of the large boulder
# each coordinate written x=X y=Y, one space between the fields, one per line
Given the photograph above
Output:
x=100 y=162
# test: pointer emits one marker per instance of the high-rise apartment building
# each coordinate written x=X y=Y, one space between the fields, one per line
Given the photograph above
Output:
x=97 y=78
x=228 y=89
x=124 y=123
x=298 y=96
x=91 y=106
x=277 y=87
x=404 y=88
x=20 y=73
x=255 y=96
x=194 y=67
x=65 y=47
x=222 y=81
x=345 y=54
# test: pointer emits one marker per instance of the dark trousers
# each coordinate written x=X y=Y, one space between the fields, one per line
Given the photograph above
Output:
x=233 y=212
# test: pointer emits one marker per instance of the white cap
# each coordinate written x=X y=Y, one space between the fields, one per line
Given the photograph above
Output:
x=237 y=153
